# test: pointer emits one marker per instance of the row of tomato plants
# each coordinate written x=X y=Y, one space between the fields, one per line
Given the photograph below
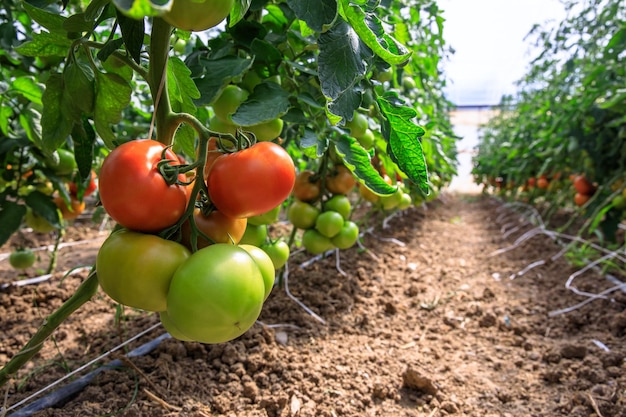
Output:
x=284 y=104
x=559 y=141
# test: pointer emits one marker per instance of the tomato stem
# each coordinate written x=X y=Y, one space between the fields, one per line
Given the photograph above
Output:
x=157 y=79
x=83 y=294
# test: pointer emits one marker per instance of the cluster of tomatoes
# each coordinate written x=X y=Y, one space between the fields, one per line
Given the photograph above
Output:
x=331 y=226
x=178 y=249
x=584 y=189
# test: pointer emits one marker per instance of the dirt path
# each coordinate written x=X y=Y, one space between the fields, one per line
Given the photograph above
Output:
x=424 y=323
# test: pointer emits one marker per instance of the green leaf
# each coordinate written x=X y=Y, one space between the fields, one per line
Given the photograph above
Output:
x=79 y=88
x=267 y=102
x=51 y=21
x=56 y=124
x=403 y=138
x=28 y=88
x=357 y=160
x=84 y=138
x=11 y=215
x=216 y=74
x=314 y=146
x=342 y=59
x=238 y=11
x=372 y=32
x=133 y=32
x=138 y=9
x=346 y=103
x=45 y=44
x=112 y=97
x=319 y=15
x=181 y=87
x=43 y=206
x=30 y=120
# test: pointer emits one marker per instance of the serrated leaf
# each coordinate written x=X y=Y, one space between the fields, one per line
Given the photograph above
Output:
x=11 y=215
x=267 y=102
x=218 y=73
x=346 y=103
x=185 y=140
x=109 y=47
x=45 y=44
x=78 y=23
x=371 y=31
x=239 y=10
x=266 y=52
x=43 y=206
x=30 y=120
x=312 y=144
x=403 y=134
x=112 y=97
x=28 y=88
x=342 y=59
x=133 y=32
x=84 y=138
x=56 y=124
x=357 y=160
x=138 y=9
x=79 y=88
x=51 y=21
x=319 y=15
x=181 y=87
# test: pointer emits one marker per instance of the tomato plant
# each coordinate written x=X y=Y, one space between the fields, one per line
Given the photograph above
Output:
x=134 y=193
x=252 y=181
x=135 y=269
x=216 y=295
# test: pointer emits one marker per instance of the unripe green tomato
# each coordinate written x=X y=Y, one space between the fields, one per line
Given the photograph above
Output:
x=405 y=202
x=367 y=140
x=22 y=258
x=227 y=103
x=217 y=294
x=341 y=204
x=250 y=80
x=198 y=15
x=217 y=125
x=315 y=243
x=619 y=202
x=135 y=269
x=347 y=236
x=390 y=202
x=408 y=83
x=278 y=251
x=265 y=264
x=358 y=125
x=254 y=235
x=302 y=215
x=66 y=164
x=266 y=131
x=329 y=223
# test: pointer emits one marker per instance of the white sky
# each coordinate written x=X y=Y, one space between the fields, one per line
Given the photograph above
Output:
x=491 y=53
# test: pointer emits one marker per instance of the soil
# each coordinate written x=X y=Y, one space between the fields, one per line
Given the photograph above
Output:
x=423 y=320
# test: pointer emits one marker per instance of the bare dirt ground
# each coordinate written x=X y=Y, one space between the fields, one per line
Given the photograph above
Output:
x=425 y=322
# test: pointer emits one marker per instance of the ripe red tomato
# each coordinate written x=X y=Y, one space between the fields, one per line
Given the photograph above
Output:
x=216 y=295
x=212 y=154
x=133 y=191
x=252 y=181
x=304 y=189
x=198 y=15
x=583 y=186
x=135 y=269
x=580 y=199
x=543 y=183
x=342 y=182
x=219 y=227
